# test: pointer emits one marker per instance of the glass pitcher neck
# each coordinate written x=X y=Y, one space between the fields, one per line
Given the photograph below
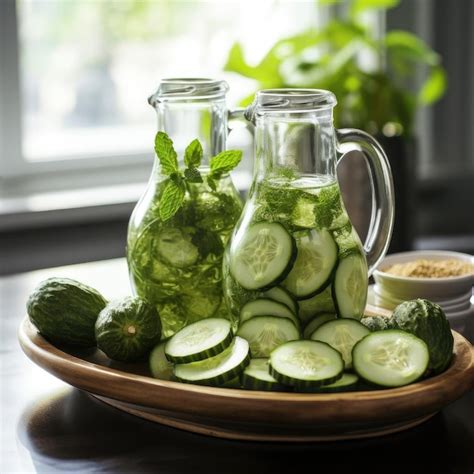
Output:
x=189 y=108
x=294 y=133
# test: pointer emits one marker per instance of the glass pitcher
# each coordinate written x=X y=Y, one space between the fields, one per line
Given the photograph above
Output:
x=294 y=251
x=177 y=264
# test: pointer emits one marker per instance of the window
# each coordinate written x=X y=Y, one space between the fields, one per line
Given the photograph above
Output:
x=75 y=75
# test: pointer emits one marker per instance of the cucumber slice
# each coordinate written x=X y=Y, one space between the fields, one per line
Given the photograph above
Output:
x=317 y=321
x=160 y=366
x=390 y=358
x=306 y=364
x=256 y=376
x=320 y=303
x=264 y=333
x=199 y=340
x=342 y=335
x=174 y=246
x=266 y=307
x=281 y=295
x=317 y=257
x=262 y=256
x=219 y=369
x=350 y=286
x=347 y=383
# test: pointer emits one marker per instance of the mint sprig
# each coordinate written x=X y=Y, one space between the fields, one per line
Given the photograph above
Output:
x=174 y=187
x=221 y=164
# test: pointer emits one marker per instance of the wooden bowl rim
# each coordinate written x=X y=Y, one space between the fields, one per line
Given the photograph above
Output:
x=46 y=355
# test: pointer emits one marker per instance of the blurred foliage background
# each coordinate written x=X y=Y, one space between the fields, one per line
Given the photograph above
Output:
x=380 y=80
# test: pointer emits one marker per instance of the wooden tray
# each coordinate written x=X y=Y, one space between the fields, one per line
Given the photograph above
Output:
x=252 y=415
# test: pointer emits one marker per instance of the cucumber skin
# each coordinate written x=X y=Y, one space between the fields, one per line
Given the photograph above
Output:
x=205 y=354
x=303 y=384
x=285 y=272
x=328 y=282
x=65 y=311
x=251 y=383
x=220 y=379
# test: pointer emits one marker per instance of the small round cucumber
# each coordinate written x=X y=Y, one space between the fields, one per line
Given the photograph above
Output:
x=278 y=293
x=306 y=364
x=266 y=307
x=200 y=340
x=219 y=369
x=347 y=383
x=317 y=321
x=350 y=286
x=316 y=260
x=256 y=376
x=343 y=335
x=390 y=358
x=160 y=366
x=264 y=333
x=262 y=256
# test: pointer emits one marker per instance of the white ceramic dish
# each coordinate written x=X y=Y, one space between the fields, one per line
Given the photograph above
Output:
x=440 y=289
x=455 y=304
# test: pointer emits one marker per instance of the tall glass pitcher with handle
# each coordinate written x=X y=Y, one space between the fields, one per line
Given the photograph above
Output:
x=294 y=252
x=177 y=264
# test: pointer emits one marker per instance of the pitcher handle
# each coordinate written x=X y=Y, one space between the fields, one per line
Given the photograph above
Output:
x=237 y=115
x=381 y=183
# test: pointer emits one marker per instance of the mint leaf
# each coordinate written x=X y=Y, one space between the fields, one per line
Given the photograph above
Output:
x=166 y=153
x=192 y=175
x=193 y=154
x=224 y=162
x=171 y=199
x=211 y=183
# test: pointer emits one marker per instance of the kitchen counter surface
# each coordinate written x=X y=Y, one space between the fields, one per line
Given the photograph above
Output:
x=49 y=427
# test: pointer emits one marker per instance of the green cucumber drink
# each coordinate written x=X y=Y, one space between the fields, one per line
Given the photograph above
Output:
x=181 y=225
x=294 y=260
x=176 y=264
x=295 y=235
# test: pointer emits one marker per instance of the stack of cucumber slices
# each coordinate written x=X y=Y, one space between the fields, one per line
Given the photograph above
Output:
x=284 y=342
x=340 y=355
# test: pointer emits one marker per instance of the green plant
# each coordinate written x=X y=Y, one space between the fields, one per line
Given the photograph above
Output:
x=370 y=97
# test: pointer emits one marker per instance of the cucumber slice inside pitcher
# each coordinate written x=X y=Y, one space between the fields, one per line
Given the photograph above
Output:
x=316 y=260
x=266 y=307
x=277 y=293
x=262 y=256
x=350 y=286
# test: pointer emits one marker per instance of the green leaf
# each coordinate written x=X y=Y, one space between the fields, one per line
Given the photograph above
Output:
x=225 y=161
x=171 y=199
x=434 y=86
x=211 y=182
x=166 y=153
x=193 y=154
x=406 y=46
x=192 y=175
x=359 y=6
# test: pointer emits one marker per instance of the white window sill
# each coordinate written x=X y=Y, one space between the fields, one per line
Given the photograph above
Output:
x=24 y=208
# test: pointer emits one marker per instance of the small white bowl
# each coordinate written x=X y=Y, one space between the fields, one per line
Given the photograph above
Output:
x=437 y=289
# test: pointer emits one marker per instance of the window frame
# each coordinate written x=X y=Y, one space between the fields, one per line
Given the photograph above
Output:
x=13 y=164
